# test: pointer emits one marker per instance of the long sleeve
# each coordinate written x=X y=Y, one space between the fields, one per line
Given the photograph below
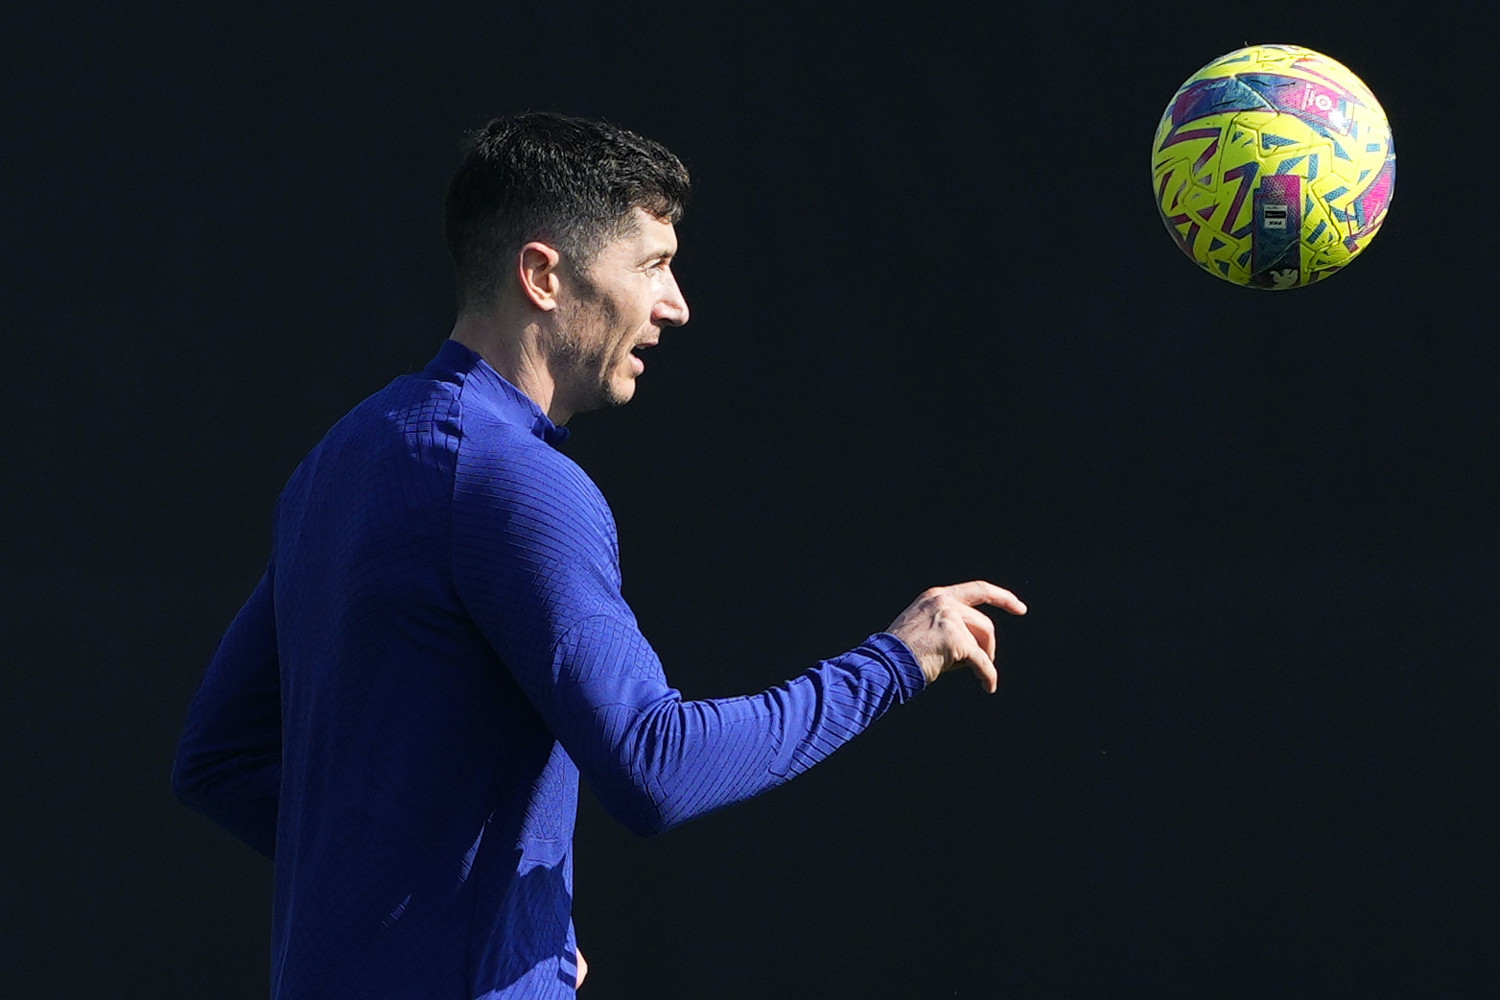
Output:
x=228 y=763
x=536 y=566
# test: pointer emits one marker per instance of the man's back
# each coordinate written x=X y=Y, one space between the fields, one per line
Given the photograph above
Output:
x=426 y=811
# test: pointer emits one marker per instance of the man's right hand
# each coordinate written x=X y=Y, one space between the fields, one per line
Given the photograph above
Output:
x=945 y=629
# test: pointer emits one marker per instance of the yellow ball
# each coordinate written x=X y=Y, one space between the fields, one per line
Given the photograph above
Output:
x=1273 y=166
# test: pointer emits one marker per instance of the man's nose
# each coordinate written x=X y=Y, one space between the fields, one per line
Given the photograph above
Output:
x=672 y=308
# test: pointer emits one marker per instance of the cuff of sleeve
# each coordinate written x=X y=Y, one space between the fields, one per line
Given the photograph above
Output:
x=903 y=665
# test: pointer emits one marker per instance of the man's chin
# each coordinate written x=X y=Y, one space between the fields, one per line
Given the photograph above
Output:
x=616 y=392
x=620 y=393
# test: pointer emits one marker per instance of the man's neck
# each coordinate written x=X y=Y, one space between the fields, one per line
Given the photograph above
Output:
x=514 y=350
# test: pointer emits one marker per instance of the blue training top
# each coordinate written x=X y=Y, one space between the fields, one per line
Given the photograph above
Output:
x=399 y=713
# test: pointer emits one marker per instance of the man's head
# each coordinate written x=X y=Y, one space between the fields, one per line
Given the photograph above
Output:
x=569 y=183
x=562 y=233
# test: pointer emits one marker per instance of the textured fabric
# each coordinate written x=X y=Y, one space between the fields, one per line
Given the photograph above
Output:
x=400 y=712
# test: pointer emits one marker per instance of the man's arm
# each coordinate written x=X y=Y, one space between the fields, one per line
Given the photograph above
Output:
x=535 y=565
x=229 y=758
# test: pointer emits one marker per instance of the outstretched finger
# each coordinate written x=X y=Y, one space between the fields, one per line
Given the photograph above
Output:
x=977 y=592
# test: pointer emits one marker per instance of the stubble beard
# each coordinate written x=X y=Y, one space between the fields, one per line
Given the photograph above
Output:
x=586 y=354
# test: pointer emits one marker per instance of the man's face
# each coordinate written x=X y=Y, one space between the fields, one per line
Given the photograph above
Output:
x=614 y=309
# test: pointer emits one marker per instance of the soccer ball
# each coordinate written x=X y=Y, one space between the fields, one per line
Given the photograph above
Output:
x=1273 y=166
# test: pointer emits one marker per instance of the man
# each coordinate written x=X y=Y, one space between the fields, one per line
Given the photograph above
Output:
x=400 y=712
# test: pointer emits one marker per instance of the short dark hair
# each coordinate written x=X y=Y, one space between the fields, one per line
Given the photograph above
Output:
x=568 y=182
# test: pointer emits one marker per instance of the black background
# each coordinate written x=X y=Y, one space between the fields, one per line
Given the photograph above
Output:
x=1243 y=740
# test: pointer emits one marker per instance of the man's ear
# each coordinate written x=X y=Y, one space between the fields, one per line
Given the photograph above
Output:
x=536 y=269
